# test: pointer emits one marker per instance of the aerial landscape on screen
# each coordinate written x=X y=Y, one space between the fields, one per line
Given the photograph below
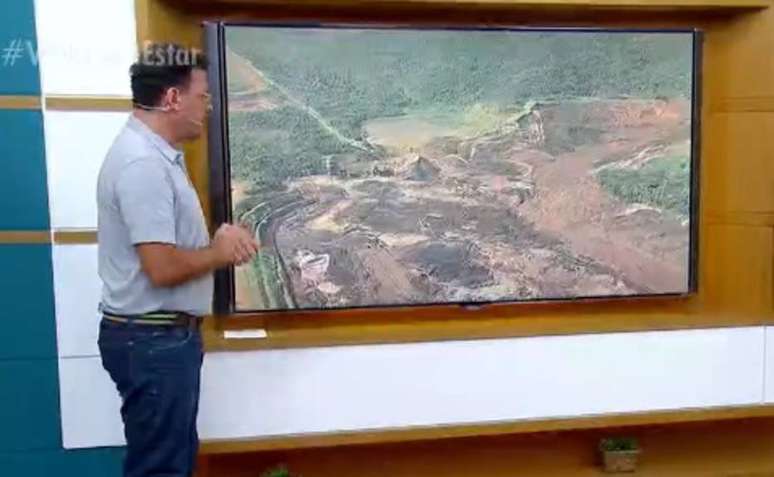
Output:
x=389 y=167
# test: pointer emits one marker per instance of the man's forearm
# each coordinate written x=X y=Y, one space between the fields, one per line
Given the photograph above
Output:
x=192 y=264
x=168 y=266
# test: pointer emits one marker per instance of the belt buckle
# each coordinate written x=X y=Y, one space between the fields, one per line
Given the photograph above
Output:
x=196 y=323
x=191 y=322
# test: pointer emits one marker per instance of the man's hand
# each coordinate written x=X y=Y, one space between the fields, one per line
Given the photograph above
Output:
x=234 y=245
x=167 y=265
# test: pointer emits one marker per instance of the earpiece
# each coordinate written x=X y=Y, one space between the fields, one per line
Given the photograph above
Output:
x=166 y=109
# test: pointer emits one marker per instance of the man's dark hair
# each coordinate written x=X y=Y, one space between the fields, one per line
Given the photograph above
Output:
x=162 y=66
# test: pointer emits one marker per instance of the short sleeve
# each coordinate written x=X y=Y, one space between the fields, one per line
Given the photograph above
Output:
x=146 y=200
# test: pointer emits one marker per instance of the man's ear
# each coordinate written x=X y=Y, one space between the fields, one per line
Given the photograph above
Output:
x=172 y=99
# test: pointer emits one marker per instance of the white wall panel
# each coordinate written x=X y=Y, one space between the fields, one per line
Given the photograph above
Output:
x=90 y=406
x=85 y=46
x=76 y=144
x=77 y=290
x=368 y=387
x=769 y=365
x=270 y=393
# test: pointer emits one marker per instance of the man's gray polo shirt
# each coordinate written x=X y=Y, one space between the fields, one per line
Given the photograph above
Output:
x=144 y=195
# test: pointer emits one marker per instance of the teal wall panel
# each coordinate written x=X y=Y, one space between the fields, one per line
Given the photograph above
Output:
x=23 y=189
x=102 y=462
x=27 y=322
x=18 y=49
x=30 y=405
x=30 y=435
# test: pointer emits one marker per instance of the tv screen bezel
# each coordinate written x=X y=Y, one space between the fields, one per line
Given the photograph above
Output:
x=224 y=302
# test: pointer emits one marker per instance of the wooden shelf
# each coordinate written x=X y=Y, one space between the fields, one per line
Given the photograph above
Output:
x=284 y=334
x=705 y=5
x=700 y=449
x=409 y=434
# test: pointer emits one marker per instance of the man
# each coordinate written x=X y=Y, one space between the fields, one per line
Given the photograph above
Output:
x=156 y=262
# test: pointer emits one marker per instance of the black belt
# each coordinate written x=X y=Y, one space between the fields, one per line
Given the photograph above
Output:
x=160 y=318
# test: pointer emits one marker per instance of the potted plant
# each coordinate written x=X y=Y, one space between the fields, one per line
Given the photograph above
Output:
x=619 y=454
x=279 y=471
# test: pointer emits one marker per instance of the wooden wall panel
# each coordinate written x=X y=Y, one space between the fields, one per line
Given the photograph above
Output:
x=738 y=165
x=736 y=179
x=738 y=276
x=742 y=51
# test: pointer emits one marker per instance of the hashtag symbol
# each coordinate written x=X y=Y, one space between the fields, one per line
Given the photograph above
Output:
x=14 y=51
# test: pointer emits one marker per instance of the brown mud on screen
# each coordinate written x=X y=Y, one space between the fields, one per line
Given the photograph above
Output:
x=398 y=167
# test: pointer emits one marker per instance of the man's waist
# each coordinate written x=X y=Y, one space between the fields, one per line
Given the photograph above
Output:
x=136 y=296
x=159 y=318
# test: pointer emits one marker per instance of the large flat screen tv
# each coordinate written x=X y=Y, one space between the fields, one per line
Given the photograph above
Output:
x=399 y=166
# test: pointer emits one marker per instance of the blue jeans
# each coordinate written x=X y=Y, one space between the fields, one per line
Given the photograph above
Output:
x=157 y=371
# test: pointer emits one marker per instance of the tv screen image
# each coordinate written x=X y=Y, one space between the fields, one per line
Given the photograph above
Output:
x=383 y=167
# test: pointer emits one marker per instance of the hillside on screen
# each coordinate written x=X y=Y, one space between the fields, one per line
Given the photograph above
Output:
x=390 y=167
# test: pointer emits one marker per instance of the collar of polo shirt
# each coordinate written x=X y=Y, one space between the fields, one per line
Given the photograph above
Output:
x=167 y=150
